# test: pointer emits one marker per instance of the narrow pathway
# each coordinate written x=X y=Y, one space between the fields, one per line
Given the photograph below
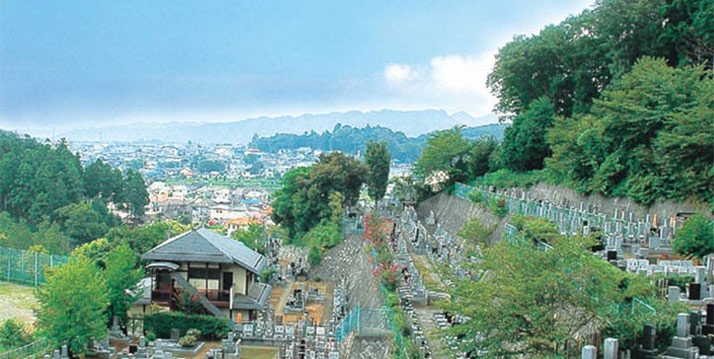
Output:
x=425 y=316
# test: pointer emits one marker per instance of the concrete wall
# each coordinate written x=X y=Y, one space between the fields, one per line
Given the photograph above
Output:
x=567 y=196
x=451 y=212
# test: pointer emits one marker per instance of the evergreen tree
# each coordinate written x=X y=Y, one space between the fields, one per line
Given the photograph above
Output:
x=377 y=159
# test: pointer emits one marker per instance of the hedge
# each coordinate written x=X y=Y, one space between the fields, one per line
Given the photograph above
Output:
x=211 y=327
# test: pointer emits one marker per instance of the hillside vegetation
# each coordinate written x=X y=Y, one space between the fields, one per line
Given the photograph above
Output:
x=352 y=140
x=48 y=199
x=618 y=100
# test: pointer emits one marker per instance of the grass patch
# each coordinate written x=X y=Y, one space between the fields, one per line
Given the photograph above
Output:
x=17 y=301
x=258 y=352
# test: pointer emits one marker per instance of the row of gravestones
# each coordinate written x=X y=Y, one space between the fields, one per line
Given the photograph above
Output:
x=444 y=321
x=679 y=345
x=692 y=340
x=647 y=231
x=413 y=290
x=303 y=350
x=417 y=332
x=405 y=230
x=415 y=286
x=441 y=240
x=441 y=247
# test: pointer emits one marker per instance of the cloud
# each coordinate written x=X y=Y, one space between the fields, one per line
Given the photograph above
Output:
x=453 y=81
x=398 y=74
x=461 y=74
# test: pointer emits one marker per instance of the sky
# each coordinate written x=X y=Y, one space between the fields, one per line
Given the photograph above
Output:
x=68 y=64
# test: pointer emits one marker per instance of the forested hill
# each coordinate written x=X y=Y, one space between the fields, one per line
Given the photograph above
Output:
x=618 y=100
x=45 y=190
x=350 y=140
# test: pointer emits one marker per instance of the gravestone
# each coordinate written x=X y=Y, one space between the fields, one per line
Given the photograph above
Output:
x=589 y=352
x=695 y=291
x=708 y=328
x=175 y=334
x=115 y=330
x=682 y=325
x=673 y=293
x=611 y=346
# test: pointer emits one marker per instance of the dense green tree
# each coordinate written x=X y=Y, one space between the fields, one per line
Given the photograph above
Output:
x=377 y=159
x=564 y=63
x=43 y=182
x=336 y=209
x=321 y=238
x=82 y=222
x=51 y=237
x=293 y=186
x=136 y=196
x=649 y=137
x=121 y=274
x=476 y=232
x=253 y=237
x=524 y=144
x=206 y=165
x=479 y=156
x=446 y=151
x=73 y=303
x=525 y=301
x=304 y=198
x=695 y=238
x=337 y=172
x=100 y=178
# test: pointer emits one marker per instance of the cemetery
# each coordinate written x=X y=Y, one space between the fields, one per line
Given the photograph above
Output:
x=341 y=307
x=637 y=245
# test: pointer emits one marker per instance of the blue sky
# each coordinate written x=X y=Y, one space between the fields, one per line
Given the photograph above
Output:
x=70 y=63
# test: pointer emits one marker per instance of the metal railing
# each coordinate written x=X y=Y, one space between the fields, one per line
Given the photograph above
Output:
x=34 y=350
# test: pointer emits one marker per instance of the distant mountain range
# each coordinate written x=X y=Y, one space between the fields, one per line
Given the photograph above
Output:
x=411 y=123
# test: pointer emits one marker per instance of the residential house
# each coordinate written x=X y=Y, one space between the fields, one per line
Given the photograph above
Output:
x=213 y=269
x=241 y=223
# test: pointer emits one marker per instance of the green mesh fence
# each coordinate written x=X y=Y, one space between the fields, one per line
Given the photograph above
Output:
x=352 y=226
x=25 y=267
x=568 y=219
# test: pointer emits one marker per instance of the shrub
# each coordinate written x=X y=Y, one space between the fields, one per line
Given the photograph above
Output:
x=389 y=275
x=476 y=196
x=210 y=326
x=266 y=274
x=314 y=257
x=150 y=336
x=13 y=334
x=187 y=340
x=498 y=207
x=696 y=237
x=681 y=281
x=504 y=178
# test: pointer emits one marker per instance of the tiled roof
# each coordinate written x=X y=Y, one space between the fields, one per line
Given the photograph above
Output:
x=203 y=245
